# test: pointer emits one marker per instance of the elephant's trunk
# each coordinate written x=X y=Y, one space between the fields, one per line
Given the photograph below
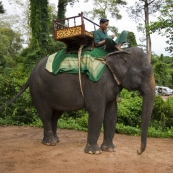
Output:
x=147 y=105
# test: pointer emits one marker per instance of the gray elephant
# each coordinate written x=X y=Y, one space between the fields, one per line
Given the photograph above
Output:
x=54 y=94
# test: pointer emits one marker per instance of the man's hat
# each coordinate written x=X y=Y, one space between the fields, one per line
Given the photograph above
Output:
x=103 y=20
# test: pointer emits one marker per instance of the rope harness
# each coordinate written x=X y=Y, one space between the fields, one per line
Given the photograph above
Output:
x=79 y=65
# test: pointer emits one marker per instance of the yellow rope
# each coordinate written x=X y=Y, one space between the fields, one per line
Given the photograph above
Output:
x=79 y=63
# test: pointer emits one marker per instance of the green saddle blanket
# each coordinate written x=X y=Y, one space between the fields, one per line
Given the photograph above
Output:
x=62 y=62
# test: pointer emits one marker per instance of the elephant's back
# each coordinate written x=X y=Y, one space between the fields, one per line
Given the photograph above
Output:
x=61 y=91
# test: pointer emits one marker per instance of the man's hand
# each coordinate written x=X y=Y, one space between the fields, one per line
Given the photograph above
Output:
x=112 y=36
x=100 y=43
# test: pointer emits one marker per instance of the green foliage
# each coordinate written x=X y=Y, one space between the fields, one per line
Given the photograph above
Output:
x=128 y=130
x=164 y=23
x=22 y=111
x=54 y=46
x=137 y=12
x=78 y=120
x=30 y=57
x=61 y=9
x=10 y=42
x=162 y=116
x=129 y=109
x=1 y=8
x=142 y=10
x=39 y=26
x=131 y=39
x=2 y=63
x=42 y=44
x=158 y=107
x=169 y=112
x=103 y=8
x=163 y=70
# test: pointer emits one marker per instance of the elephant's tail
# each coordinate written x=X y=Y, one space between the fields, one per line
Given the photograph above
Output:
x=25 y=86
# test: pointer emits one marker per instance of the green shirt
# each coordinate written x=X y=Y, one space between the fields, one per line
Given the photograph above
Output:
x=99 y=36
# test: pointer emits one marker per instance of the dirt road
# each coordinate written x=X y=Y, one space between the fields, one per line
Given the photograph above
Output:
x=21 y=151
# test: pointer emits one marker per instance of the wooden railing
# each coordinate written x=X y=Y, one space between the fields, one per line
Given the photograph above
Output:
x=62 y=24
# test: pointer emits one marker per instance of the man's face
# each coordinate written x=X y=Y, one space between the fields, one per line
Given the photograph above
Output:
x=104 y=26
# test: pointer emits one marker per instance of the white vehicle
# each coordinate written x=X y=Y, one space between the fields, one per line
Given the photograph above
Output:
x=165 y=91
x=156 y=90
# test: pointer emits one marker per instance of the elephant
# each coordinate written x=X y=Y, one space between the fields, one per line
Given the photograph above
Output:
x=54 y=94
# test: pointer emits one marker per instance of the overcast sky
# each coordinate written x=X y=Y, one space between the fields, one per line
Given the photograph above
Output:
x=158 y=42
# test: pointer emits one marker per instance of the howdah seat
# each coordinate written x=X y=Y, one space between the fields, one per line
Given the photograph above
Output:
x=72 y=34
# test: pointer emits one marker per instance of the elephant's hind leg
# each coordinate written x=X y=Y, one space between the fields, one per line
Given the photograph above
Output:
x=109 y=123
x=46 y=116
x=55 y=116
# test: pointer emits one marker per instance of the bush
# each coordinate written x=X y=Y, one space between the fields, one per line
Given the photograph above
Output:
x=22 y=110
x=158 y=108
x=129 y=109
x=71 y=123
x=169 y=112
x=162 y=115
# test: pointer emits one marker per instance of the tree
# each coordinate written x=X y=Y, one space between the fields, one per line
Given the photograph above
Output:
x=10 y=47
x=61 y=9
x=62 y=4
x=131 y=39
x=163 y=70
x=39 y=23
x=110 y=8
x=106 y=9
x=142 y=10
x=164 y=25
x=19 y=20
x=10 y=43
x=23 y=20
x=1 y=8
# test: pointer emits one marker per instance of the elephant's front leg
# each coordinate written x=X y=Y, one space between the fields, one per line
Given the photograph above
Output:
x=109 y=123
x=94 y=126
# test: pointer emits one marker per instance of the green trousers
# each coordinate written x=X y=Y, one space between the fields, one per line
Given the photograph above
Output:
x=110 y=44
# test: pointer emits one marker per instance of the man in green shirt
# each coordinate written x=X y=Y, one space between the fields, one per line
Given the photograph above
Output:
x=103 y=41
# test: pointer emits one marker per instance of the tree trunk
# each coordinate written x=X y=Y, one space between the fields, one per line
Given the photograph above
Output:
x=148 y=38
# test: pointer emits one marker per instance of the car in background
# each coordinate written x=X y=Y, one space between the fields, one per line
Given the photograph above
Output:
x=156 y=90
x=165 y=91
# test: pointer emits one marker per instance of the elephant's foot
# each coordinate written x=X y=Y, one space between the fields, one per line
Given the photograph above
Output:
x=92 y=149
x=51 y=141
x=56 y=138
x=108 y=147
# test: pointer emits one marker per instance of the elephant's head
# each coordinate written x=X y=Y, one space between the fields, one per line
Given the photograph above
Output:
x=132 y=71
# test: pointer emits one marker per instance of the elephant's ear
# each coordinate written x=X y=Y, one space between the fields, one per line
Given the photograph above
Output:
x=118 y=63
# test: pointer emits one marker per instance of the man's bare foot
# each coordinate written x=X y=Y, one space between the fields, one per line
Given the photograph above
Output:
x=117 y=48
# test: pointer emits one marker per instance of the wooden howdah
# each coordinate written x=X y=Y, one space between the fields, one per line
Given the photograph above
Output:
x=73 y=36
